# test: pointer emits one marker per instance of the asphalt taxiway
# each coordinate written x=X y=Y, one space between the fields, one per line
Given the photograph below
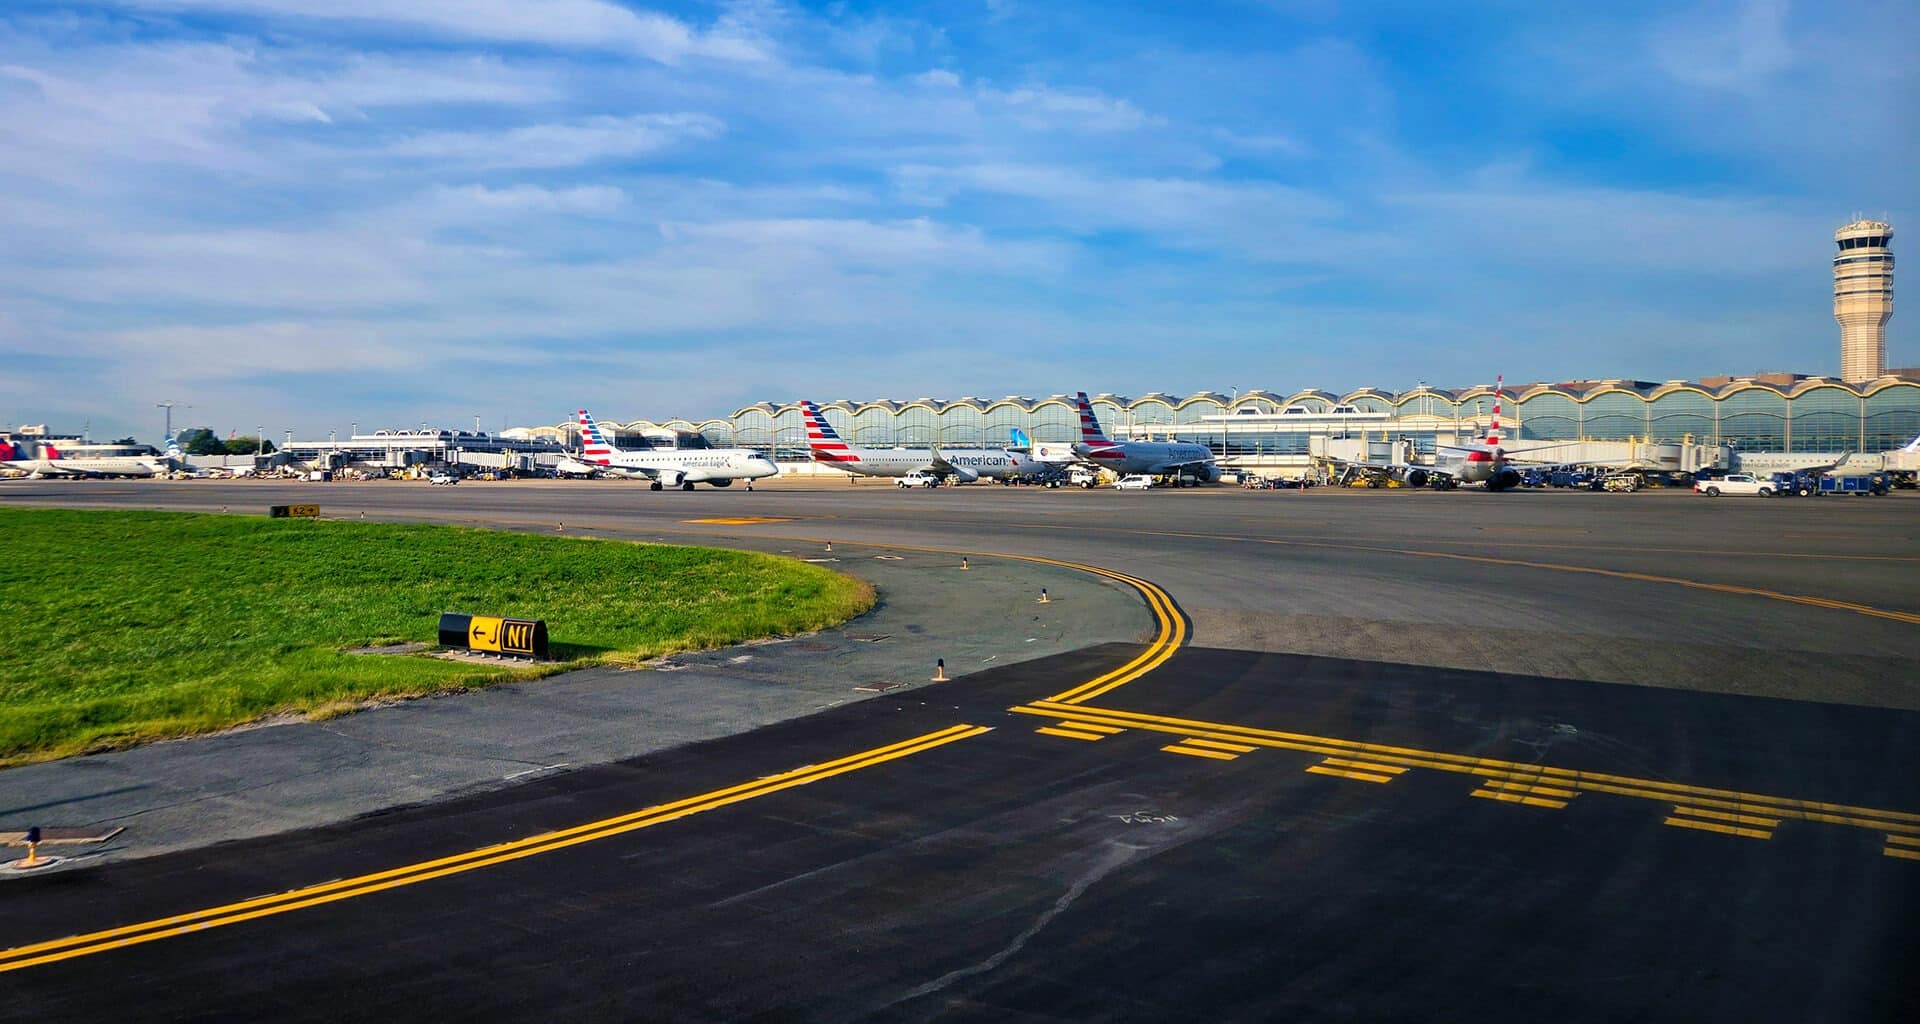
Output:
x=1391 y=755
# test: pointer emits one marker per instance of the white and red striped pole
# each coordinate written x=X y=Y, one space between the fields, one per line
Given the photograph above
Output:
x=1493 y=429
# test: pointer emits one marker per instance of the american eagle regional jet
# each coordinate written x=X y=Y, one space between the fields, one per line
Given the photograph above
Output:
x=963 y=464
x=668 y=467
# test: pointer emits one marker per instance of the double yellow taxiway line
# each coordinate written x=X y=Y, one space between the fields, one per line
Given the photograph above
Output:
x=412 y=874
x=1170 y=633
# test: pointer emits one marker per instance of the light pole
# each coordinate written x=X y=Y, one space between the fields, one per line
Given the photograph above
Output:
x=169 y=407
x=1224 y=421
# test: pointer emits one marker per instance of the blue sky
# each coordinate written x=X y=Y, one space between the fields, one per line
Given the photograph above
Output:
x=307 y=213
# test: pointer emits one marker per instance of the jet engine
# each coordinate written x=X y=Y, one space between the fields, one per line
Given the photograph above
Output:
x=964 y=475
x=1416 y=478
x=1504 y=479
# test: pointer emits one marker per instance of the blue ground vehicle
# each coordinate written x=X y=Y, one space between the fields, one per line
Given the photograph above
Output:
x=1865 y=483
x=1798 y=482
x=1536 y=478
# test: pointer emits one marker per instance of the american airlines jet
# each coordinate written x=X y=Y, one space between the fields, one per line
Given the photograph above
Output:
x=671 y=467
x=1154 y=458
x=963 y=464
x=1484 y=463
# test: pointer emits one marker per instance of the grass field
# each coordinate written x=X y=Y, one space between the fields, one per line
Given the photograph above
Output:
x=123 y=627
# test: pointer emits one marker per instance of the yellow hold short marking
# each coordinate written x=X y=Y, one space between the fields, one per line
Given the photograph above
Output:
x=1509 y=797
x=1320 y=769
x=1730 y=830
x=1217 y=755
x=1047 y=730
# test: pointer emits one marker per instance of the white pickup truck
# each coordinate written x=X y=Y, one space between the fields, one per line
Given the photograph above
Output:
x=917 y=479
x=1734 y=483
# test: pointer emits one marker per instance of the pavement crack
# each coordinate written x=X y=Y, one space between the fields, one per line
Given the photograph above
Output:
x=1117 y=855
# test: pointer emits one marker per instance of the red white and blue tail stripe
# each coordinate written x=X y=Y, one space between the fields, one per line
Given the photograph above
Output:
x=1098 y=444
x=822 y=440
x=1490 y=448
x=594 y=447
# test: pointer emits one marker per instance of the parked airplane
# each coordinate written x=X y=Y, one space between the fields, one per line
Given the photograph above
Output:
x=84 y=460
x=1154 y=458
x=963 y=464
x=1485 y=463
x=670 y=467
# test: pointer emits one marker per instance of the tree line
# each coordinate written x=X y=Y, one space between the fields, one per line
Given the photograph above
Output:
x=202 y=441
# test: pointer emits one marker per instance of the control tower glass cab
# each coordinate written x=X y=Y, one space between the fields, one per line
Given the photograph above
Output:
x=1863 y=297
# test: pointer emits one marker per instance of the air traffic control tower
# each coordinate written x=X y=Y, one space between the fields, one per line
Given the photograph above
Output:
x=1863 y=297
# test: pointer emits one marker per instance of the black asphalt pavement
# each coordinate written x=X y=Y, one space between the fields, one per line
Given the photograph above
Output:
x=1014 y=874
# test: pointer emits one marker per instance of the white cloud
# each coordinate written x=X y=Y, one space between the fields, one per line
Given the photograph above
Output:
x=560 y=144
x=565 y=23
x=1738 y=45
x=1043 y=107
x=937 y=78
x=1253 y=218
x=523 y=199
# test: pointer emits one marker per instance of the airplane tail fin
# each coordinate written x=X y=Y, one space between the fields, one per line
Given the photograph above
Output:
x=1020 y=440
x=822 y=439
x=1090 y=431
x=594 y=446
x=1913 y=445
x=6 y=451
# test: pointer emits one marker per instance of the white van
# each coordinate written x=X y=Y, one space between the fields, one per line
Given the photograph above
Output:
x=1133 y=482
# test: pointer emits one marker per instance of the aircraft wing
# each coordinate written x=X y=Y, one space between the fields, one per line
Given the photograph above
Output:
x=940 y=466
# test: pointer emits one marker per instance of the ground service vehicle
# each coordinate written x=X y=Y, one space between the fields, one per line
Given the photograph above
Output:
x=1133 y=482
x=1734 y=483
x=443 y=478
x=917 y=480
x=1799 y=482
x=1870 y=483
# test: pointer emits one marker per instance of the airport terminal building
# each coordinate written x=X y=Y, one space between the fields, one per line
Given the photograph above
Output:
x=1774 y=412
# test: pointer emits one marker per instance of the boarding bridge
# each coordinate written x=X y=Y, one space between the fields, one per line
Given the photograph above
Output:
x=1632 y=454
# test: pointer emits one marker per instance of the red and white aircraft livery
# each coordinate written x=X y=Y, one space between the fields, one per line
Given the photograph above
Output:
x=668 y=467
x=81 y=459
x=1484 y=463
x=962 y=464
x=1155 y=458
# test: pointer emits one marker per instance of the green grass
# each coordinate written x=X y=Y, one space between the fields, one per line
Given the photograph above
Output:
x=124 y=627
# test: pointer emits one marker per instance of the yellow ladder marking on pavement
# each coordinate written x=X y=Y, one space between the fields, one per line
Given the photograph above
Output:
x=1364 y=766
x=1218 y=755
x=1090 y=727
x=1237 y=748
x=1527 y=788
x=1533 y=785
x=1731 y=830
x=1904 y=840
x=1518 y=797
x=1048 y=730
x=1893 y=851
x=1320 y=769
x=1738 y=819
x=739 y=520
